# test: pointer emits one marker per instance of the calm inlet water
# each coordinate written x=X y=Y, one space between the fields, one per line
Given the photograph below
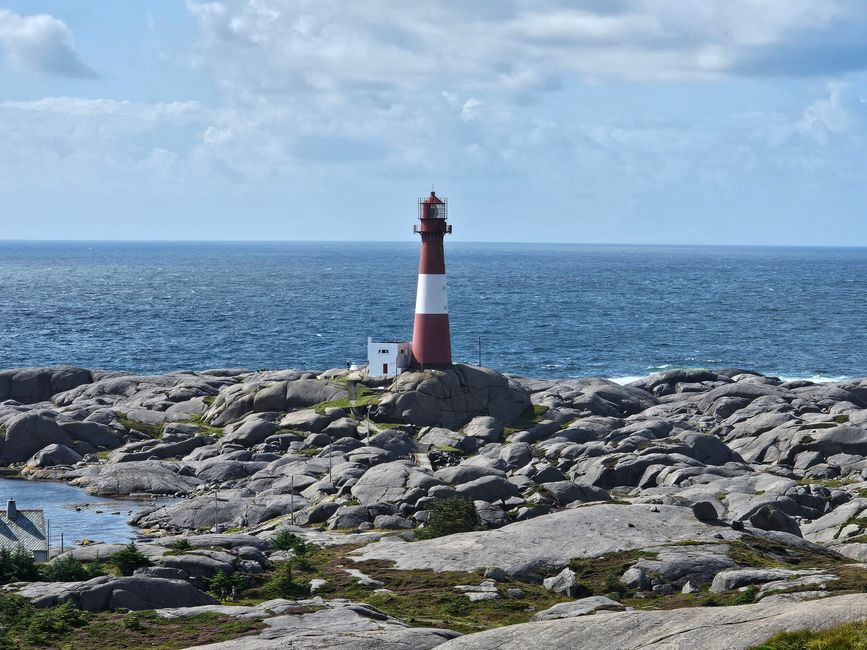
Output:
x=97 y=519
x=540 y=310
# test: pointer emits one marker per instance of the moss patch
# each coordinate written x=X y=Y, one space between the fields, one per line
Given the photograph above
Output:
x=206 y=428
x=152 y=430
x=534 y=414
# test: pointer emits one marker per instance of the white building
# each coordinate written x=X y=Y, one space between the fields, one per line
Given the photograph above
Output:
x=387 y=358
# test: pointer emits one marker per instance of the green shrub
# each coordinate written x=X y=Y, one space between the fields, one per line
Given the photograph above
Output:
x=448 y=516
x=281 y=584
x=17 y=565
x=221 y=584
x=287 y=541
x=65 y=569
x=128 y=559
x=181 y=545
x=747 y=596
x=51 y=622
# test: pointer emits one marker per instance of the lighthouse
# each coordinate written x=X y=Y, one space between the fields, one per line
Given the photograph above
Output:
x=431 y=340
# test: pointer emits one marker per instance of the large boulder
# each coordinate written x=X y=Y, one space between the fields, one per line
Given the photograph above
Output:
x=105 y=592
x=536 y=547
x=54 y=455
x=32 y=385
x=145 y=476
x=488 y=488
x=236 y=401
x=99 y=435
x=335 y=625
x=28 y=433
x=450 y=398
x=708 y=628
x=389 y=482
x=599 y=396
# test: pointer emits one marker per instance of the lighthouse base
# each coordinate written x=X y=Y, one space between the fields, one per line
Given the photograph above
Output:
x=431 y=342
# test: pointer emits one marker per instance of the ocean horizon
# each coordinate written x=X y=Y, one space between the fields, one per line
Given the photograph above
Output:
x=620 y=311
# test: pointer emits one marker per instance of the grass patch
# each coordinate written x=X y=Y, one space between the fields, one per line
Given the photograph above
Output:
x=757 y=552
x=24 y=627
x=600 y=576
x=421 y=598
x=364 y=397
x=151 y=430
x=849 y=636
x=205 y=426
x=534 y=414
x=841 y=419
x=762 y=553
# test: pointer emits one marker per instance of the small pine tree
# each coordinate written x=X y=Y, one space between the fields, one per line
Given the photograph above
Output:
x=23 y=565
x=287 y=541
x=5 y=565
x=128 y=559
x=282 y=585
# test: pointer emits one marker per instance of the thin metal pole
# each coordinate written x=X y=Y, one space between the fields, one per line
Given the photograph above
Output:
x=292 y=499
x=215 y=511
x=61 y=542
x=330 y=478
x=480 y=351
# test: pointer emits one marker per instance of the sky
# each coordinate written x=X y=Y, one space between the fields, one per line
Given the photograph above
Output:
x=628 y=121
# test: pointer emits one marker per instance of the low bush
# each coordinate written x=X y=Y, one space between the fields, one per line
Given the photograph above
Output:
x=282 y=584
x=64 y=569
x=448 y=516
x=128 y=559
x=17 y=565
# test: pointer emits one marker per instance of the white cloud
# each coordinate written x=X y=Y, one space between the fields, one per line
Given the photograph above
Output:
x=41 y=43
x=82 y=107
x=328 y=46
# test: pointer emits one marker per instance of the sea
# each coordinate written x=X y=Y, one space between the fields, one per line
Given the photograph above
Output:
x=540 y=310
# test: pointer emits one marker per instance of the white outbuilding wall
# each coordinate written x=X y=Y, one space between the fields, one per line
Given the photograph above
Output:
x=386 y=358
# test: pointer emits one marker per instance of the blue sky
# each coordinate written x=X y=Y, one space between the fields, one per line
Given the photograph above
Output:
x=637 y=121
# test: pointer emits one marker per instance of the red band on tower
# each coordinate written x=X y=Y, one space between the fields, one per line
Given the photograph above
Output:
x=431 y=339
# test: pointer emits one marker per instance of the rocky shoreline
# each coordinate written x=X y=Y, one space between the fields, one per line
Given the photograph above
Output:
x=595 y=506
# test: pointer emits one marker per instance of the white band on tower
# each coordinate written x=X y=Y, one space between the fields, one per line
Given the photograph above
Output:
x=432 y=294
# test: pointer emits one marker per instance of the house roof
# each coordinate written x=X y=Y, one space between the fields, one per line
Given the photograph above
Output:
x=27 y=529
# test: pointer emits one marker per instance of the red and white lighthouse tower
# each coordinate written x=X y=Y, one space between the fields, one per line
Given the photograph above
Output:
x=431 y=340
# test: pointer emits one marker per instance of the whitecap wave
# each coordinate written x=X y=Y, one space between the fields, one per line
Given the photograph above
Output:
x=816 y=379
x=626 y=380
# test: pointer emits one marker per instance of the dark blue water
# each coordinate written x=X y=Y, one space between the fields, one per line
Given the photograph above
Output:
x=541 y=310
